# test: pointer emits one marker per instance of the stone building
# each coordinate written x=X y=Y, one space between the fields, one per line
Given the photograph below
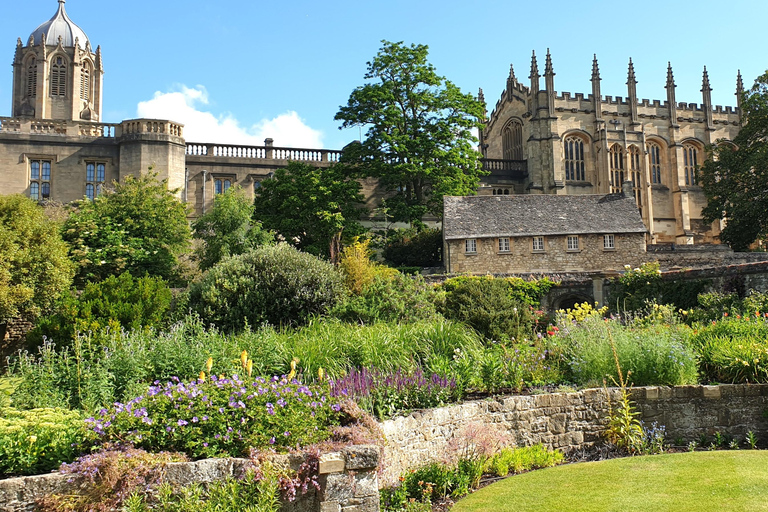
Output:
x=510 y=234
x=540 y=141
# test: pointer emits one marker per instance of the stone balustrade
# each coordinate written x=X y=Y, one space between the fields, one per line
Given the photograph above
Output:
x=99 y=130
x=266 y=152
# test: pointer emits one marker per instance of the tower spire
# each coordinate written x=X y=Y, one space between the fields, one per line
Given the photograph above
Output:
x=671 y=101
x=534 y=85
x=632 y=92
x=739 y=94
x=597 y=98
x=706 y=91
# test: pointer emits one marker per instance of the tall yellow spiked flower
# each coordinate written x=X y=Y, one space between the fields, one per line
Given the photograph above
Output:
x=293 y=369
x=320 y=374
x=201 y=377
x=243 y=359
x=249 y=367
x=209 y=365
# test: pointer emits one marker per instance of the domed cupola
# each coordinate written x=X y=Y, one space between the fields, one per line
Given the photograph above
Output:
x=60 y=26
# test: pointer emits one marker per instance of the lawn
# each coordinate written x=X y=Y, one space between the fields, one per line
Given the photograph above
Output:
x=697 y=482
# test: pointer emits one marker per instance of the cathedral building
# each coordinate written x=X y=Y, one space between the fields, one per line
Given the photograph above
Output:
x=540 y=141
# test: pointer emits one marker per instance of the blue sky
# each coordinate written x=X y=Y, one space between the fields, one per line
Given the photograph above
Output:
x=242 y=70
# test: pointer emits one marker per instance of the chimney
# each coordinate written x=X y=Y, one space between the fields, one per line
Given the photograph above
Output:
x=626 y=189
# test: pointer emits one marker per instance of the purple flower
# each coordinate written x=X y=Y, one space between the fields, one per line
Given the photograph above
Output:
x=195 y=419
x=182 y=423
x=271 y=440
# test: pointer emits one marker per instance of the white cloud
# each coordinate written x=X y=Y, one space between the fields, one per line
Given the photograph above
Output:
x=187 y=107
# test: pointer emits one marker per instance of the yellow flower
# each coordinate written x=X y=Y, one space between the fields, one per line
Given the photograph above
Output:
x=201 y=377
x=32 y=439
x=243 y=358
x=320 y=374
x=209 y=365
x=249 y=367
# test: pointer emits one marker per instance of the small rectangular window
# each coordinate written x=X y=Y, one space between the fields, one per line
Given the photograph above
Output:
x=573 y=243
x=40 y=179
x=470 y=246
x=538 y=243
x=609 y=242
x=503 y=244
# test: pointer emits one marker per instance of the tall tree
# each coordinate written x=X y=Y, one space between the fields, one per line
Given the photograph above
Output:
x=140 y=227
x=735 y=177
x=228 y=229
x=310 y=207
x=419 y=142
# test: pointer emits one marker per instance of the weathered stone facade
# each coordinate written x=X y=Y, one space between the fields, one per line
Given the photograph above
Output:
x=348 y=481
x=572 y=421
x=590 y=143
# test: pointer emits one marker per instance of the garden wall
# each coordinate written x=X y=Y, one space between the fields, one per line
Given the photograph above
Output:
x=348 y=481
x=574 y=421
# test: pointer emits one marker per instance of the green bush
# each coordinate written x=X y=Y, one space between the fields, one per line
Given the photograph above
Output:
x=398 y=298
x=734 y=350
x=40 y=440
x=414 y=248
x=651 y=355
x=118 y=302
x=277 y=285
x=517 y=460
x=638 y=287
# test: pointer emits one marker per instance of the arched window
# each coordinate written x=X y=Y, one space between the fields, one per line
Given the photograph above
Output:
x=58 y=77
x=654 y=157
x=85 y=83
x=574 y=159
x=40 y=179
x=617 y=168
x=635 y=173
x=32 y=78
x=690 y=163
x=512 y=139
x=221 y=186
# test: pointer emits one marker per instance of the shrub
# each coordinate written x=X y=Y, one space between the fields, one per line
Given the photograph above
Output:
x=517 y=460
x=358 y=269
x=651 y=355
x=514 y=367
x=118 y=302
x=640 y=286
x=734 y=350
x=414 y=248
x=278 y=285
x=398 y=298
x=220 y=416
x=37 y=441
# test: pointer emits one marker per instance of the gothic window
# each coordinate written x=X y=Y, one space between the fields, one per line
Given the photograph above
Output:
x=512 y=139
x=59 y=77
x=501 y=191
x=654 y=156
x=256 y=187
x=690 y=163
x=574 y=159
x=470 y=246
x=85 y=83
x=635 y=173
x=504 y=245
x=95 y=174
x=617 y=168
x=32 y=78
x=222 y=185
x=40 y=179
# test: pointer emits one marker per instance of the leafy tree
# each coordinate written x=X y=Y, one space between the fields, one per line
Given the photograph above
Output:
x=419 y=142
x=139 y=227
x=34 y=268
x=735 y=178
x=310 y=207
x=228 y=229
x=414 y=247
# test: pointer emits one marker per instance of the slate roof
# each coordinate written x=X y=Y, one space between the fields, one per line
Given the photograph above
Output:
x=539 y=215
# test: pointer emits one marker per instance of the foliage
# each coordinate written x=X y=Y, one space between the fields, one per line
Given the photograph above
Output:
x=215 y=416
x=498 y=309
x=715 y=305
x=111 y=476
x=655 y=354
x=414 y=247
x=624 y=430
x=386 y=394
x=140 y=227
x=735 y=176
x=278 y=285
x=734 y=350
x=518 y=460
x=357 y=268
x=39 y=440
x=34 y=268
x=228 y=229
x=512 y=367
x=398 y=298
x=118 y=302
x=638 y=287
x=418 y=141
x=310 y=207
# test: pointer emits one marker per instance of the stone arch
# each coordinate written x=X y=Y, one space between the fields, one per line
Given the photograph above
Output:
x=577 y=161
x=693 y=158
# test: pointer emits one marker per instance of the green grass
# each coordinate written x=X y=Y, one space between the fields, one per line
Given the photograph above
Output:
x=729 y=481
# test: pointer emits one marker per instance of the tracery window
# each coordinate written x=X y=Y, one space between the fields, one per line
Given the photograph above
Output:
x=654 y=156
x=40 y=179
x=512 y=140
x=32 y=78
x=635 y=174
x=95 y=174
x=85 y=83
x=574 y=159
x=690 y=163
x=616 y=156
x=58 y=77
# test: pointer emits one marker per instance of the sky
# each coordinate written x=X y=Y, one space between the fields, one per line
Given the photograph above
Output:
x=239 y=71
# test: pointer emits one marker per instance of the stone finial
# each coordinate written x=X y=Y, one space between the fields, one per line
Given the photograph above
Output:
x=739 y=94
x=670 y=77
x=19 y=44
x=595 y=69
x=481 y=96
x=31 y=41
x=512 y=72
x=705 y=81
x=534 y=67
x=631 y=78
x=548 y=69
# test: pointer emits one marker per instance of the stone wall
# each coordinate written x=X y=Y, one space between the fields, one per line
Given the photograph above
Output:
x=671 y=256
x=572 y=421
x=348 y=481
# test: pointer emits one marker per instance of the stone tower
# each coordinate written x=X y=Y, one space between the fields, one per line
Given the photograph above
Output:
x=57 y=75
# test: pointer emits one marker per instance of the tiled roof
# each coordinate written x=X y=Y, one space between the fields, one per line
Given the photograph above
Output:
x=539 y=214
